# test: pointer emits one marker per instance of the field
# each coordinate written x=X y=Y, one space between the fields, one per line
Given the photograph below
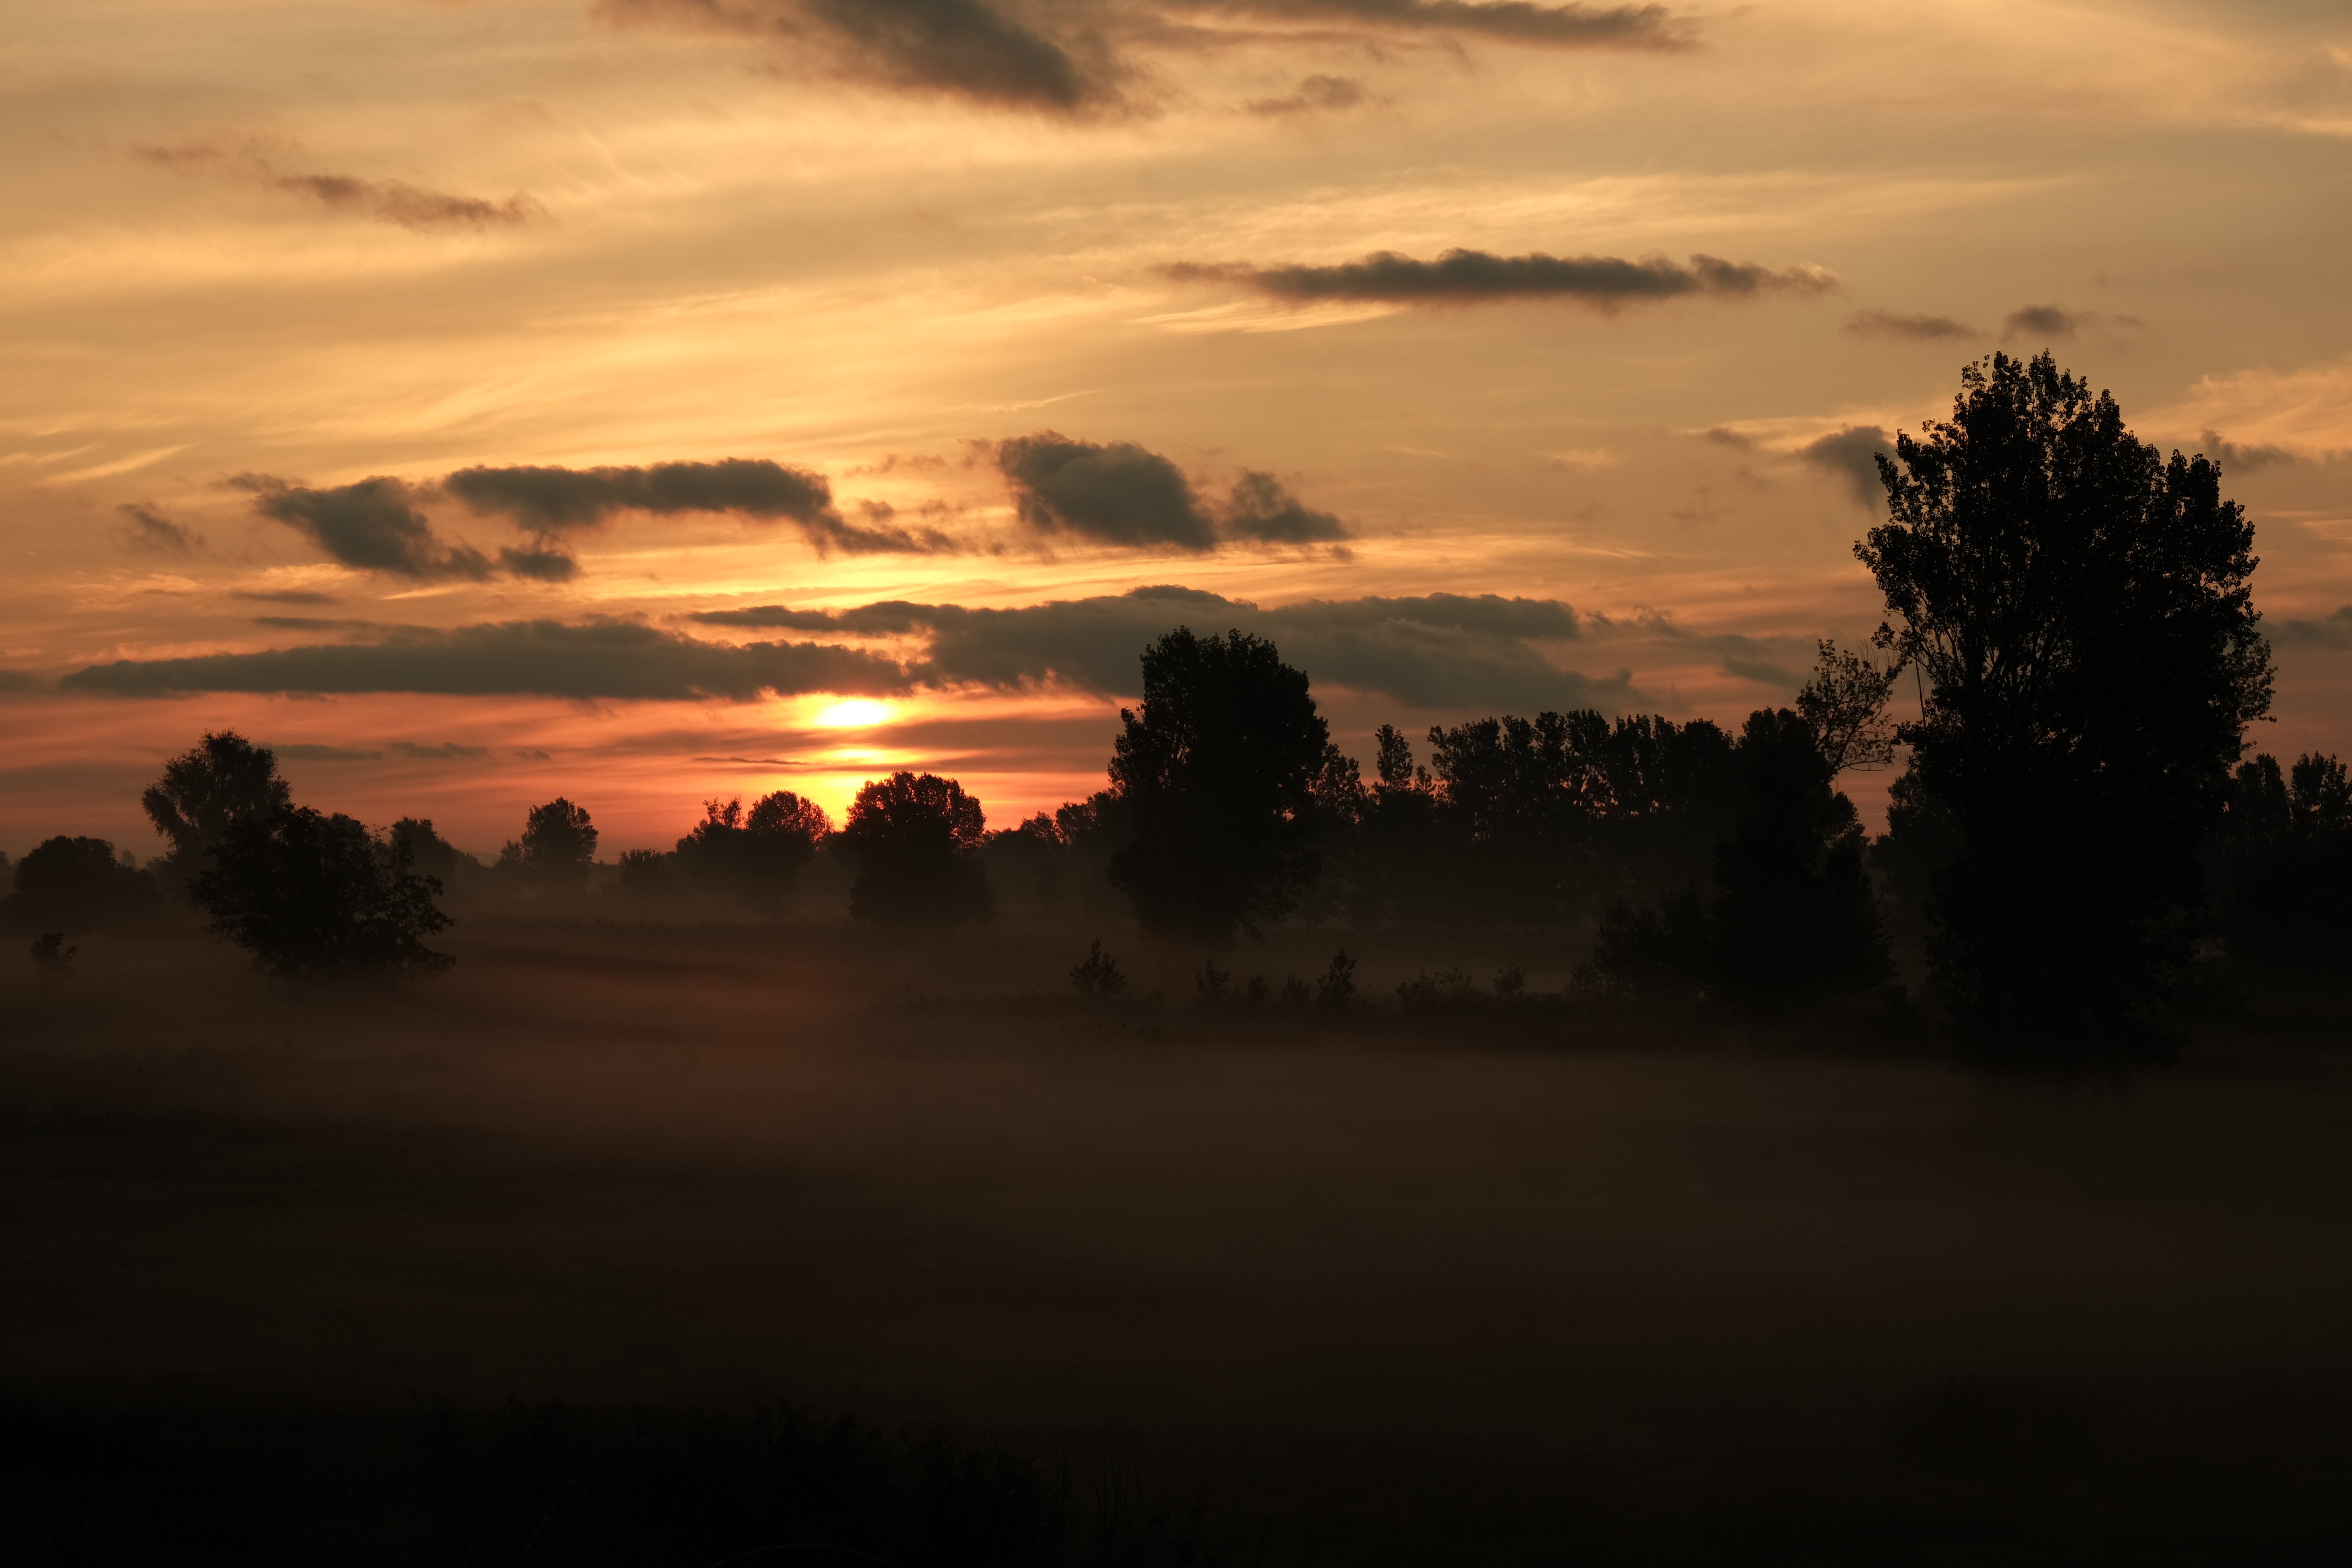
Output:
x=1318 y=1284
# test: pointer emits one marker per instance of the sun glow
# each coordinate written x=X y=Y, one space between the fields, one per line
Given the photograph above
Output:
x=853 y=713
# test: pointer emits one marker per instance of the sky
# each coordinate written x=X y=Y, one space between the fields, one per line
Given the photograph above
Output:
x=654 y=401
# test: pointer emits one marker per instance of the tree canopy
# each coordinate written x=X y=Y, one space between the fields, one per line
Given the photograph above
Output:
x=915 y=839
x=221 y=781
x=314 y=897
x=1215 y=772
x=2078 y=607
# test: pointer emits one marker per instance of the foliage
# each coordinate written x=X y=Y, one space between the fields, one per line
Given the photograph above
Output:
x=1097 y=974
x=1844 y=704
x=2283 y=860
x=753 y=856
x=314 y=897
x=1337 y=985
x=2079 y=608
x=206 y=791
x=429 y=854
x=53 y=958
x=915 y=838
x=1217 y=772
x=77 y=885
x=557 y=847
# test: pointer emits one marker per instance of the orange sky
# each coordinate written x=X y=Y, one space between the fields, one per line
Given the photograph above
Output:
x=871 y=241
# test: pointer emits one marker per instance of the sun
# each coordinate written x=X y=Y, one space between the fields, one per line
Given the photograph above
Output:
x=852 y=714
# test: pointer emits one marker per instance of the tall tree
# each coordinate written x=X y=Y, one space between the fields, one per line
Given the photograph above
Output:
x=753 y=856
x=1216 y=772
x=915 y=839
x=557 y=847
x=221 y=781
x=319 y=898
x=2078 y=606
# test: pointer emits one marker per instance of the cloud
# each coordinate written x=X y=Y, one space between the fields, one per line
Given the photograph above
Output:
x=303 y=751
x=550 y=501
x=285 y=596
x=1260 y=508
x=1852 y=454
x=1745 y=657
x=1916 y=329
x=1724 y=435
x=1314 y=94
x=1437 y=651
x=597 y=660
x=447 y=751
x=385 y=201
x=1475 y=277
x=1114 y=494
x=1125 y=495
x=19 y=681
x=544 y=566
x=2041 y=321
x=1565 y=26
x=2243 y=459
x=372 y=525
x=1048 y=62
x=2332 y=631
x=150 y=530
x=2305 y=412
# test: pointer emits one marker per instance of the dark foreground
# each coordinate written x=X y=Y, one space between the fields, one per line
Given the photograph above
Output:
x=579 y=1256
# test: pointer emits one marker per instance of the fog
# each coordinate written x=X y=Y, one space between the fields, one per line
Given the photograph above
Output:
x=1539 y=1279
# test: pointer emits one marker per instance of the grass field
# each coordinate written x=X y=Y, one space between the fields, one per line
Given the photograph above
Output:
x=1368 y=1285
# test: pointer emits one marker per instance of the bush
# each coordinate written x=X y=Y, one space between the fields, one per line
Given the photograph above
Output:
x=77 y=885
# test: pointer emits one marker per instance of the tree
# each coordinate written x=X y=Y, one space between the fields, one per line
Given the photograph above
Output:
x=430 y=854
x=1216 y=772
x=317 y=898
x=753 y=856
x=77 y=885
x=1844 y=703
x=915 y=839
x=2078 y=607
x=223 y=780
x=557 y=847
x=2284 y=855
x=1795 y=920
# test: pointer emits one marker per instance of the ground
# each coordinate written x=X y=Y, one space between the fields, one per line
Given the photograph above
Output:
x=1532 y=1284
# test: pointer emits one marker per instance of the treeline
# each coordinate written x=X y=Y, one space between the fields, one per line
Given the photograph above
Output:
x=2076 y=835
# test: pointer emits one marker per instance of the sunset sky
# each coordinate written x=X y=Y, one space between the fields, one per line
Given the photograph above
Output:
x=652 y=400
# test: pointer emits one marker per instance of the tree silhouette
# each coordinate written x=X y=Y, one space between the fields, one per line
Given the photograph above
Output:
x=77 y=885
x=1216 y=772
x=557 y=847
x=1844 y=703
x=430 y=854
x=2079 y=608
x=2284 y=862
x=1795 y=920
x=916 y=840
x=317 y=898
x=753 y=856
x=223 y=780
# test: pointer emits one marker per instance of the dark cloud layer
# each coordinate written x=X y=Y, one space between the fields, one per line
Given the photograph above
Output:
x=597 y=660
x=385 y=201
x=1439 y=651
x=2041 y=321
x=1077 y=58
x=2331 y=631
x=548 y=501
x=1053 y=61
x=1122 y=494
x=1852 y=454
x=2239 y=459
x=150 y=530
x=1475 y=277
x=372 y=525
x=1516 y=21
x=1916 y=329
x=1313 y=93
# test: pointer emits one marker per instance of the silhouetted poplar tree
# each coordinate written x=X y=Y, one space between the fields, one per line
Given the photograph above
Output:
x=1216 y=772
x=915 y=839
x=2078 y=606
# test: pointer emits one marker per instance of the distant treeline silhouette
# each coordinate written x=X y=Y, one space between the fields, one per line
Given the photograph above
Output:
x=2074 y=826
